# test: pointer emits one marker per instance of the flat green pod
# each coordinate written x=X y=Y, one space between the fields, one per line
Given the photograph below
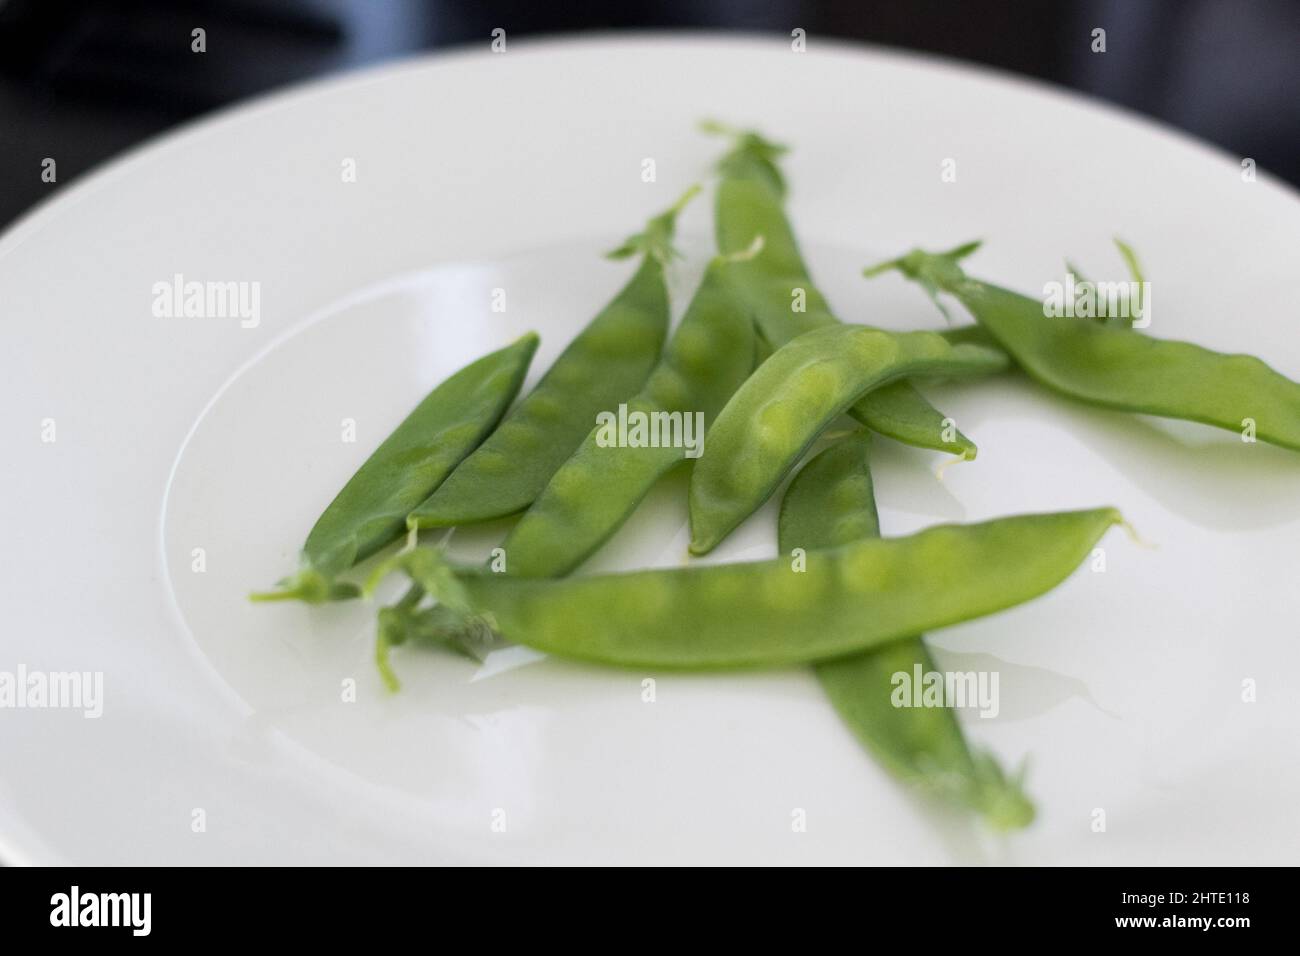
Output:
x=1111 y=365
x=782 y=298
x=831 y=502
x=607 y=362
x=775 y=613
x=777 y=414
x=594 y=491
x=370 y=511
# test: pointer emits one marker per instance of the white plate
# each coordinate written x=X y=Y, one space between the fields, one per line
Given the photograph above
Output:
x=478 y=171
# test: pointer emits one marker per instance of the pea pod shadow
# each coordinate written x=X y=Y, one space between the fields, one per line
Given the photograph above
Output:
x=1224 y=483
x=907 y=481
x=1023 y=691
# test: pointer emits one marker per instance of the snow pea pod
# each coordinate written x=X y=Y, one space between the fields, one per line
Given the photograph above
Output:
x=594 y=491
x=831 y=499
x=607 y=362
x=778 y=413
x=779 y=292
x=1115 y=367
x=370 y=512
x=767 y=613
x=830 y=502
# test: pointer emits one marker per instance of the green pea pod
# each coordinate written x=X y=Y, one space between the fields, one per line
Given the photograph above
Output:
x=774 y=613
x=829 y=503
x=596 y=490
x=370 y=512
x=779 y=292
x=608 y=361
x=590 y=495
x=973 y=334
x=1116 y=367
x=900 y=412
x=831 y=500
x=778 y=413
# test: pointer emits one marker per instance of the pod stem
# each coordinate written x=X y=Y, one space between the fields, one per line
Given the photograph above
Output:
x=452 y=621
x=309 y=586
x=935 y=272
x=683 y=201
x=395 y=626
x=656 y=240
x=1130 y=260
x=943 y=466
x=1136 y=538
x=383 y=644
x=1134 y=267
x=429 y=569
x=744 y=140
x=918 y=262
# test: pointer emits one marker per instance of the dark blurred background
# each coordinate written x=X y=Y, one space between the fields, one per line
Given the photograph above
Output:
x=81 y=80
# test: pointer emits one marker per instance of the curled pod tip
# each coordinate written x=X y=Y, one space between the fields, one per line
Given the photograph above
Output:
x=968 y=454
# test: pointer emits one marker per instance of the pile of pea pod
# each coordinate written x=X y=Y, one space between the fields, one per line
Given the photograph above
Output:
x=773 y=372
